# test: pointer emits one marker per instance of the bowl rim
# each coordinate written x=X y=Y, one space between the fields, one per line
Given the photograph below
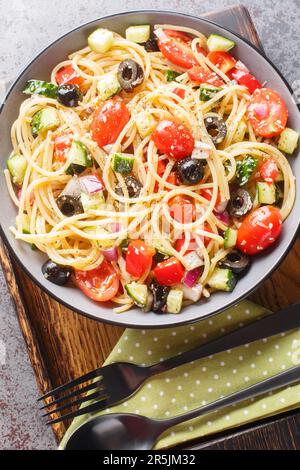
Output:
x=115 y=320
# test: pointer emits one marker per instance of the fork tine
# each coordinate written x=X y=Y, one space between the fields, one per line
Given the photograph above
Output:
x=77 y=402
x=86 y=409
x=90 y=375
x=73 y=394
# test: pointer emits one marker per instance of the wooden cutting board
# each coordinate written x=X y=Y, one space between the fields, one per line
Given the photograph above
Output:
x=63 y=345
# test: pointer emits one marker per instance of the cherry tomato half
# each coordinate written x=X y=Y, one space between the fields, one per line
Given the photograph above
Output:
x=173 y=139
x=222 y=60
x=245 y=78
x=109 y=120
x=269 y=170
x=267 y=112
x=182 y=209
x=200 y=75
x=62 y=144
x=169 y=272
x=176 y=47
x=259 y=230
x=100 y=284
x=68 y=76
x=138 y=258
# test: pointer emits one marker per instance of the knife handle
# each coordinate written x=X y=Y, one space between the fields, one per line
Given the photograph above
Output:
x=270 y=325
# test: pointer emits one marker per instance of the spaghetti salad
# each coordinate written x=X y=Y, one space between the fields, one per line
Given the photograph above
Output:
x=150 y=168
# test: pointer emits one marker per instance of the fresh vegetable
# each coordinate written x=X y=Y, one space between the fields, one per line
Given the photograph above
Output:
x=138 y=292
x=160 y=247
x=169 y=272
x=91 y=184
x=192 y=260
x=176 y=47
x=173 y=139
x=133 y=186
x=288 y=140
x=39 y=87
x=69 y=95
x=160 y=294
x=245 y=169
x=222 y=60
x=182 y=209
x=79 y=158
x=222 y=279
x=62 y=145
x=217 y=128
x=236 y=261
x=45 y=120
x=55 y=273
x=108 y=85
x=110 y=254
x=240 y=203
x=207 y=92
x=201 y=75
x=174 y=301
x=122 y=163
x=17 y=165
x=267 y=112
x=189 y=171
x=101 y=40
x=145 y=123
x=109 y=120
x=130 y=74
x=259 y=230
x=100 y=284
x=192 y=276
x=243 y=77
x=68 y=76
x=269 y=170
x=192 y=293
x=266 y=193
x=138 y=33
x=230 y=238
x=171 y=75
x=215 y=42
x=92 y=201
x=138 y=258
x=223 y=217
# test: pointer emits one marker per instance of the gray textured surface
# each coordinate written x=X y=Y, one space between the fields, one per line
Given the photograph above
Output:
x=24 y=31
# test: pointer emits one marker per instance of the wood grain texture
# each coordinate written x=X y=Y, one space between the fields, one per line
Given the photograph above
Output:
x=63 y=345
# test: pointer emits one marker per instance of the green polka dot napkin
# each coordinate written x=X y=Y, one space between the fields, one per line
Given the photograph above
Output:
x=195 y=384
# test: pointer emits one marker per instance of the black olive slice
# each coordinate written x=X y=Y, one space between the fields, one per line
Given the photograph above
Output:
x=240 y=203
x=69 y=205
x=151 y=45
x=189 y=170
x=133 y=187
x=236 y=261
x=160 y=294
x=55 y=273
x=130 y=74
x=69 y=95
x=216 y=128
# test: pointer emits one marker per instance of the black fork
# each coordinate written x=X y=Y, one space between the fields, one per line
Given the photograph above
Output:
x=116 y=382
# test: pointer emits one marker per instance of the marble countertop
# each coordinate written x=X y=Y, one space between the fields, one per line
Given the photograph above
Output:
x=25 y=31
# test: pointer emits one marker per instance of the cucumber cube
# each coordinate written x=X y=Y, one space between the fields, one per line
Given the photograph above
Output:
x=101 y=40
